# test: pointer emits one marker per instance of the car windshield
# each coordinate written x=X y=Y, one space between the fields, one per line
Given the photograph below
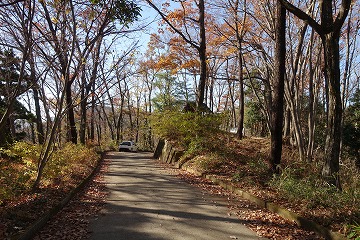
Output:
x=126 y=143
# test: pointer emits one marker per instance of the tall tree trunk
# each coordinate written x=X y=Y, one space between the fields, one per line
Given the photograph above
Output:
x=130 y=114
x=241 y=96
x=333 y=137
x=287 y=123
x=92 y=119
x=137 y=119
x=231 y=90
x=312 y=104
x=48 y=145
x=202 y=55
x=86 y=88
x=296 y=126
x=98 y=131
x=292 y=94
x=329 y=31
x=83 y=112
x=42 y=96
x=240 y=32
x=311 y=117
x=278 y=89
x=120 y=121
x=150 y=141
x=211 y=94
x=98 y=126
x=70 y=114
x=109 y=122
x=39 y=124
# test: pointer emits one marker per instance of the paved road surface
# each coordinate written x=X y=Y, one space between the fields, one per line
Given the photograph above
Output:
x=148 y=203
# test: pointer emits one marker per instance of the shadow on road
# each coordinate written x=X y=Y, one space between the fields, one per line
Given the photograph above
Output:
x=145 y=202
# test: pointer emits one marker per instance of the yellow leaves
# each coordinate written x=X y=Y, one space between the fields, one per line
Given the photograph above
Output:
x=54 y=20
x=155 y=42
x=218 y=40
x=231 y=50
x=166 y=62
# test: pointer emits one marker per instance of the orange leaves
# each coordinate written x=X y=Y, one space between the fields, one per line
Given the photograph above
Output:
x=218 y=40
x=166 y=62
x=231 y=50
x=155 y=42
x=173 y=62
x=171 y=54
x=147 y=64
x=176 y=15
x=176 y=41
x=185 y=14
x=192 y=65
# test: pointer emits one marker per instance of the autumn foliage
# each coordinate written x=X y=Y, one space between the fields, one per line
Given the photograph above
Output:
x=18 y=165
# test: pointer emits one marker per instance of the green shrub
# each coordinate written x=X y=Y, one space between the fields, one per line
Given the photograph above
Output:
x=312 y=190
x=195 y=133
x=209 y=162
x=354 y=231
x=351 y=129
x=17 y=169
x=185 y=127
x=112 y=145
x=69 y=160
x=18 y=166
x=258 y=166
x=21 y=150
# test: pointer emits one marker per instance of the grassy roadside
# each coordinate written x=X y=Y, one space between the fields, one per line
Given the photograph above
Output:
x=299 y=187
x=244 y=163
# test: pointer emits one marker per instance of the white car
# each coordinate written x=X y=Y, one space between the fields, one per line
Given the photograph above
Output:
x=128 y=146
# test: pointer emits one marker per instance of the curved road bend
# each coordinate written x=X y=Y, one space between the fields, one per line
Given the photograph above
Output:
x=147 y=203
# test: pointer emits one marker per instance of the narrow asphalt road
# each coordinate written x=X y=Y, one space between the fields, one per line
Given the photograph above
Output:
x=147 y=202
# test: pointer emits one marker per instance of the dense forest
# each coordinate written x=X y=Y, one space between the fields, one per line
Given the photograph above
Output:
x=96 y=72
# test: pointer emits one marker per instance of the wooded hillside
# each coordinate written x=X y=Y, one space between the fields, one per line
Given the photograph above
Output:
x=82 y=72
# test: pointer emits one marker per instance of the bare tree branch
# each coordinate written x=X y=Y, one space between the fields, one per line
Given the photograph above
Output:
x=163 y=16
x=304 y=16
x=340 y=18
x=10 y=3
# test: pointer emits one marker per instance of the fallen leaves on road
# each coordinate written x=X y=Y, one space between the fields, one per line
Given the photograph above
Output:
x=263 y=222
x=72 y=222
